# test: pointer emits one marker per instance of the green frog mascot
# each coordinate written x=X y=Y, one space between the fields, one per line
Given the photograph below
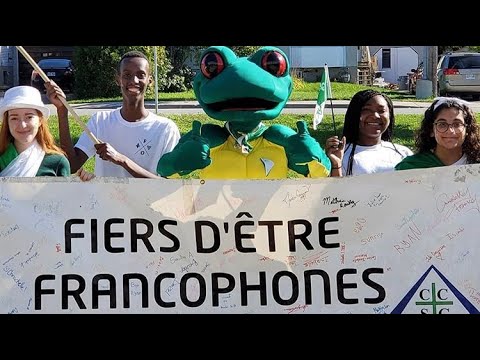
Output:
x=244 y=92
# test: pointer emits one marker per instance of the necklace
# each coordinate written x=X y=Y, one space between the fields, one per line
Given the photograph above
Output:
x=242 y=138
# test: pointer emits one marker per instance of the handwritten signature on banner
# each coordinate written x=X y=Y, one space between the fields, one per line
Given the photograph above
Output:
x=300 y=194
x=459 y=201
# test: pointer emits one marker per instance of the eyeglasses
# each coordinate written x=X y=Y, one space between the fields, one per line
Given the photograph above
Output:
x=443 y=126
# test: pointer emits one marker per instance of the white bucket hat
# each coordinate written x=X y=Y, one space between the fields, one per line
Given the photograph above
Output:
x=23 y=97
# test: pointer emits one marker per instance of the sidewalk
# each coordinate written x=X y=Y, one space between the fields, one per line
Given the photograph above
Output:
x=336 y=104
x=341 y=104
x=192 y=105
x=290 y=104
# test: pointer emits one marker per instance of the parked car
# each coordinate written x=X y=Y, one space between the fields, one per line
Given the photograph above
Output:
x=459 y=74
x=59 y=70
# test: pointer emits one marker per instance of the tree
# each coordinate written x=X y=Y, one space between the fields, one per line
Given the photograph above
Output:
x=180 y=76
x=244 y=50
x=475 y=48
x=96 y=69
x=445 y=49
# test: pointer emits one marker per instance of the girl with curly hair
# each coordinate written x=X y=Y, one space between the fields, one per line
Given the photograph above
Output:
x=449 y=135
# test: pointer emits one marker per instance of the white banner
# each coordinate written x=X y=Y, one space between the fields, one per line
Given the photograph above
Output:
x=404 y=242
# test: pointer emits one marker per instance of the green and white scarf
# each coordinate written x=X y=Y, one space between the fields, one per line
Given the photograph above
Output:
x=25 y=164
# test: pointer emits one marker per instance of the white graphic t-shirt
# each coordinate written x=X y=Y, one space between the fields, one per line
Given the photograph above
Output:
x=144 y=141
x=374 y=159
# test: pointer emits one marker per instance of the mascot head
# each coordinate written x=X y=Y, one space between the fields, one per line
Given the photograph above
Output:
x=243 y=89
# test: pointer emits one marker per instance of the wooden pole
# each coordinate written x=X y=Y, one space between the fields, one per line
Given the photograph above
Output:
x=434 y=73
x=62 y=99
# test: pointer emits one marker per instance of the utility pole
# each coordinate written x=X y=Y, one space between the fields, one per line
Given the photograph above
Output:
x=434 y=70
x=16 y=76
x=156 y=78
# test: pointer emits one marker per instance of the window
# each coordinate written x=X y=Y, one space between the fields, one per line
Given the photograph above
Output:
x=386 y=59
x=464 y=62
x=49 y=63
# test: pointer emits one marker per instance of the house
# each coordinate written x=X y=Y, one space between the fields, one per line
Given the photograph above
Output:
x=392 y=61
x=307 y=62
x=395 y=62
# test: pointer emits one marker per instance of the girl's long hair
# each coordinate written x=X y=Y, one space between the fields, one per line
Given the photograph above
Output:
x=44 y=136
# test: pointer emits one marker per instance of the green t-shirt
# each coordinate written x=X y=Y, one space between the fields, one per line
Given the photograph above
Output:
x=54 y=165
x=419 y=161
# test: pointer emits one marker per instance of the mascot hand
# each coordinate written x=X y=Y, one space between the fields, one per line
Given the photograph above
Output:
x=191 y=153
x=301 y=149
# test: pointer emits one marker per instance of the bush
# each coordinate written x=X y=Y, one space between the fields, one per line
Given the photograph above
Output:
x=96 y=67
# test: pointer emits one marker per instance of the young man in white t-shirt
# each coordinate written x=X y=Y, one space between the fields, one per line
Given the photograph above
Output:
x=132 y=139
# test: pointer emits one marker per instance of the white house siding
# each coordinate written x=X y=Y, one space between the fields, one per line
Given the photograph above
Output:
x=317 y=56
x=403 y=59
x=311 y=59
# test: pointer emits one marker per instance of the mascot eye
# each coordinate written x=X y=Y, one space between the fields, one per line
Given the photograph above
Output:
x=275 y=63
x=211 y=65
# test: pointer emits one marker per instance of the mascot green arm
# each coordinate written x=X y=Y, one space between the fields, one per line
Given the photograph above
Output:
x=304 y=154
x=192 y=151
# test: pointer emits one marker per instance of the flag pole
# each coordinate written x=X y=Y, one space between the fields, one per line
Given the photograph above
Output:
x=333 y=117
x=331 y=107
x=324 y=93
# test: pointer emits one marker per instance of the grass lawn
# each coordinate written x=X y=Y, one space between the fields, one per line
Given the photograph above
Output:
x=404 y=128
x=301 y=91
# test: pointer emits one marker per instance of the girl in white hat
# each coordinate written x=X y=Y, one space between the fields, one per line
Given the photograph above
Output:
x=27 y=148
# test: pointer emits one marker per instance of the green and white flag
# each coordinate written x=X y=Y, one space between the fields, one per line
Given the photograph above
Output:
x=324 y=93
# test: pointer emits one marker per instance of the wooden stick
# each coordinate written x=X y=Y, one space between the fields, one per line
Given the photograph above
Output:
x=62 y=99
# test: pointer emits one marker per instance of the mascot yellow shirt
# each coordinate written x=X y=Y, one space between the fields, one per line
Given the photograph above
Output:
x=265 y=161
